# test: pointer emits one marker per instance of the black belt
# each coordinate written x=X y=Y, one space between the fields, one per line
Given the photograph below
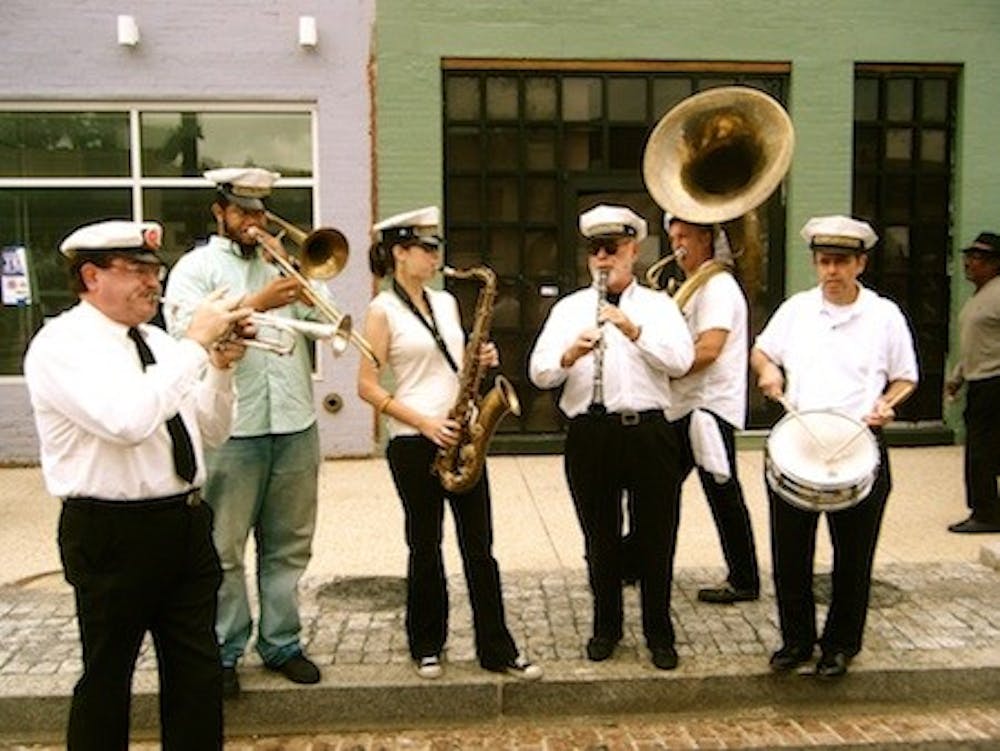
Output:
x=627 y=417
x=191 y=498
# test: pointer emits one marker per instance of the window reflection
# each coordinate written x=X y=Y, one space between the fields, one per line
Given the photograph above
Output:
x=64 y=144
x=189 y=143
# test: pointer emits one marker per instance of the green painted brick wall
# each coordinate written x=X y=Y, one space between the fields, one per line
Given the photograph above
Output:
x=822 y=41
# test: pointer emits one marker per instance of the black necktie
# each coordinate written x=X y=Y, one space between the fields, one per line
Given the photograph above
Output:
x=614 y=297
x=184 y=461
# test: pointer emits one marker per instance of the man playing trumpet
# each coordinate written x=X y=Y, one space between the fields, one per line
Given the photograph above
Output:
x=265 y=477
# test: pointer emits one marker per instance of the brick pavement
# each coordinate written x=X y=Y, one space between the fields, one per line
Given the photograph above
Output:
x=359 y=620
x=935 y=617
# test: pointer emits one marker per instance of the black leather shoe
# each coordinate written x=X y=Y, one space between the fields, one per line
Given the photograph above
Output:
x=832 y=665
x=298 y=669
x=726 y=594
x=600 y=648
x=665 y=658
x=230 y=682
x=973 y=526
x=789 y=658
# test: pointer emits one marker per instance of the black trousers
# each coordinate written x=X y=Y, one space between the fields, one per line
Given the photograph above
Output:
x=854 y=534
x=141 y=567
x=410 y=460
x=603 y=458
x=729 y=509
x=982 y=448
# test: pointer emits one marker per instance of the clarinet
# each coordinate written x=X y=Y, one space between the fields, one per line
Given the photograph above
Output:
x=597 y=397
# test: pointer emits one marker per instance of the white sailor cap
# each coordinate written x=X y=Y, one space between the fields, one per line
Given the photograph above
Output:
x=839 y=234
x=141 y=240
x=420 y=226
x=612 y=221
x=247 y=187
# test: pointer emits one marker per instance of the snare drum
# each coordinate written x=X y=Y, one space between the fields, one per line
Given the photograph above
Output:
x=821 y=460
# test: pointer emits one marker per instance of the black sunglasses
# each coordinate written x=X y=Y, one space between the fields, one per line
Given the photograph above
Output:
x=608 y=244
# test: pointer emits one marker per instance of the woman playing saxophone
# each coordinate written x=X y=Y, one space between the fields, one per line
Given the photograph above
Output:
x=416 y=332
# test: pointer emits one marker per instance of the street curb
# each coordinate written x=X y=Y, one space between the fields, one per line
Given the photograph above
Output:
x=358 y=697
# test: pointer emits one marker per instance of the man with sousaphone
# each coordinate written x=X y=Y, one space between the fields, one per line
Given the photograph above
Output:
x=839 y=357
x=709 y=401
x=265 y=477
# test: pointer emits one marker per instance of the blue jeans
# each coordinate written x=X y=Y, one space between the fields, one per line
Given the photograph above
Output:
x=268 y=484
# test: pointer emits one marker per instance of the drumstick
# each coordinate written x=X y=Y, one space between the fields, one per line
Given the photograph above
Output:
x=890 y=403
x=780 y=399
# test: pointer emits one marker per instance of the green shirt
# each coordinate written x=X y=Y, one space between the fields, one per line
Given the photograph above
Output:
x=274 y=392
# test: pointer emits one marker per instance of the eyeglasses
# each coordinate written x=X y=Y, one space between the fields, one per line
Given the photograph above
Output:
x=141 y=269
x=609 y=245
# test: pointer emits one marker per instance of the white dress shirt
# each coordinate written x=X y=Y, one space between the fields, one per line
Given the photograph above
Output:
x=839 y=357
x=424 y=379
x=101 y=419
x=636 y=375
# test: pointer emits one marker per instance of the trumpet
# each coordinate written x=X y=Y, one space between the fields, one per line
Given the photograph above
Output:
x=323 y=255
x=278 y=335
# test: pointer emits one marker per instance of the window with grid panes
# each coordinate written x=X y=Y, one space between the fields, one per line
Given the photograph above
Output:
x=517 y=139
x=904 y=126
x=60 y=169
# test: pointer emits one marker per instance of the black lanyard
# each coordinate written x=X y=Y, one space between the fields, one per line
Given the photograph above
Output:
x=430 y=325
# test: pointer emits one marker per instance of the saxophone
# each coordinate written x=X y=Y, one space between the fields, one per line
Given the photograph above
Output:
x=460 y=466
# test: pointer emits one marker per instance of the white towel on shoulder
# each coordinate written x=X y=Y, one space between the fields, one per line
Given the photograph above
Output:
x=708 y=447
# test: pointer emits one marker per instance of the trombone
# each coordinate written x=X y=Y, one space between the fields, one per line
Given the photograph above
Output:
x=323 y=255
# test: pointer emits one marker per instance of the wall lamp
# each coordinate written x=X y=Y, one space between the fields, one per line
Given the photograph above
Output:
x=128 y=31
x=308 y=36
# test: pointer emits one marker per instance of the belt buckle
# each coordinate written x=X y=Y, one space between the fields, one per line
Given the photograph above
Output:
x=193 y=498
x=629 y=417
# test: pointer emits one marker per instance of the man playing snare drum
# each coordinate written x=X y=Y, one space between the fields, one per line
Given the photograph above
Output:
x=843 y=348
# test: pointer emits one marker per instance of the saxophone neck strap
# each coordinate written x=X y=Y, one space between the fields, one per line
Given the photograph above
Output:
x=430 y=325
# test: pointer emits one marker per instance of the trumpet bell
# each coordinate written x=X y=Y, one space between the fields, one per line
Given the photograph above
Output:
x=718 y=154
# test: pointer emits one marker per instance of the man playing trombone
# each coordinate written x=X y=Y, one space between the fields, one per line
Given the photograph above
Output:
x=265 y=477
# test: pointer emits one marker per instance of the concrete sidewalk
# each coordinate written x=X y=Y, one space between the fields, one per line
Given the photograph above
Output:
x=932 y=631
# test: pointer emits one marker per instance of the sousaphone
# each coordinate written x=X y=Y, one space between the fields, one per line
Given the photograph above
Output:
x=718 y=154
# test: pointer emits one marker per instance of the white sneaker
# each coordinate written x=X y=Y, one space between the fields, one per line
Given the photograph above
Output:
x=521 y=667
x=429 y=667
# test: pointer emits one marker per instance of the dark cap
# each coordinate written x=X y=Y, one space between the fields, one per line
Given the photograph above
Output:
x=986 y=242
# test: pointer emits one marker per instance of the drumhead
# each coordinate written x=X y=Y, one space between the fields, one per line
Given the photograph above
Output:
x=820 y=460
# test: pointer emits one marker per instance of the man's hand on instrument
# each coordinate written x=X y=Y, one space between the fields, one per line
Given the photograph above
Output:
x=489 y=355
x=214 y=318
x=277 y=293
x=271 y=244
x=882 y=414
x=771 y=382
x=583 y=344
x=613 y=314
x=227 y=352
x=442 y=431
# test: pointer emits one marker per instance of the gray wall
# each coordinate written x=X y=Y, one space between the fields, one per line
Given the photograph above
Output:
x=220 y=51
